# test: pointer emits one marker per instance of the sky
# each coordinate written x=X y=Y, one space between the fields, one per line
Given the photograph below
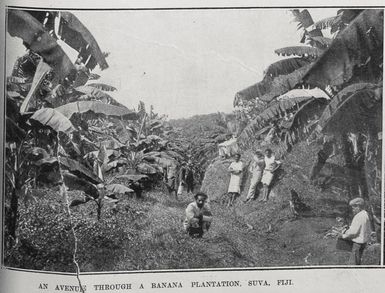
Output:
x=185 y=62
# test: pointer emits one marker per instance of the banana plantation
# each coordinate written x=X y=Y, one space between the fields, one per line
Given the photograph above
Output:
x=85 y=184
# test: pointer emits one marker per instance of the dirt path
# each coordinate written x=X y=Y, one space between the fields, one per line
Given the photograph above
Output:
x=236 y=239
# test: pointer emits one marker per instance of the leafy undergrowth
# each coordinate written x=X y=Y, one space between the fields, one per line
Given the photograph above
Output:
x=147 y=233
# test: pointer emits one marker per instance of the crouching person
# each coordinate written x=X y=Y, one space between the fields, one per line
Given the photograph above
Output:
x=198 y=216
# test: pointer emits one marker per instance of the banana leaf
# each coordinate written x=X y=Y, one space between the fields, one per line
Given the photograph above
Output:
x=285 y=66
x=272 y=113
x=253 y=92
x=79 y=170
x=285 y=83
x=146 y=168
x=14 y=133
x=48 y=117
x=353 y=110
x=111 y=144
x=102 y=86
x=118 y=188
x=97 y=108
x=23 y=25
x=77 y=36
x=73 y=182
x=357 y=44
x=301 y=51
x=305 y=21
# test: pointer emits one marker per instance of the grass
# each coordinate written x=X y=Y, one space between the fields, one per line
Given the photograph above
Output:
x=147 y=233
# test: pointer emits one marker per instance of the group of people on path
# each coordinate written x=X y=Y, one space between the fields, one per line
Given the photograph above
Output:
x=199 y=216
x=262 y=169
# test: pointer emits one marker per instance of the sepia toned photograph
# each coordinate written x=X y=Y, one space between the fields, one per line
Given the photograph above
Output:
x=185 y=139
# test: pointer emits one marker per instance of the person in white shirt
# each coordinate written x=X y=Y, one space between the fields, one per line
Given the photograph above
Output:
x=256 y=169
x=235 y=169
x=198 y=216
x=268 y=173
x=359 y=231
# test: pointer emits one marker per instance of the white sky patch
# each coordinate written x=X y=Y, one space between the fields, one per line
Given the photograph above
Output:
x=185 y=62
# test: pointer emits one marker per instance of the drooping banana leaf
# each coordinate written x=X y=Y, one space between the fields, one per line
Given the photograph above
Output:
x=13 y=104
x=53 y=119
x=14 y=133
x=79 y=170
x=97 y=108
x=272 y=113
x=96 y=93
x=338 y=22
x=102 y=86
x=301 y=51
x=15 y=79
x=95 y=154
x=254 y=91
x=305 y=21
x=118 y=188
x=353 y=110
x=23 y=25
x=146 y=168
x=111 y=144
x=93 y=76
x=114 y=164
x=285 y=83
x=41 y=70
x=77 y=36
x=69 y=146
x=319 y=42
x=73 y=182
x=359 y=44
x=302 y=123
x=285 y=66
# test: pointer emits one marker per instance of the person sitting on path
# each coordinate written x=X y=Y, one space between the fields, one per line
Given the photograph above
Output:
x=271 y=165
x=235 y=169
x=256 y=169
x=198 y=216
x=359 y=231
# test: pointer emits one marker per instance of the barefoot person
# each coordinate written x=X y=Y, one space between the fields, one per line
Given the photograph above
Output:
x=268 y=173
x=198 y=216
x=256 y=169
x=359 y=230
x=235 y=169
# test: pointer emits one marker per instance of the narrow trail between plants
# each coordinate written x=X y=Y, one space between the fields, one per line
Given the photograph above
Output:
x=234 y=240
